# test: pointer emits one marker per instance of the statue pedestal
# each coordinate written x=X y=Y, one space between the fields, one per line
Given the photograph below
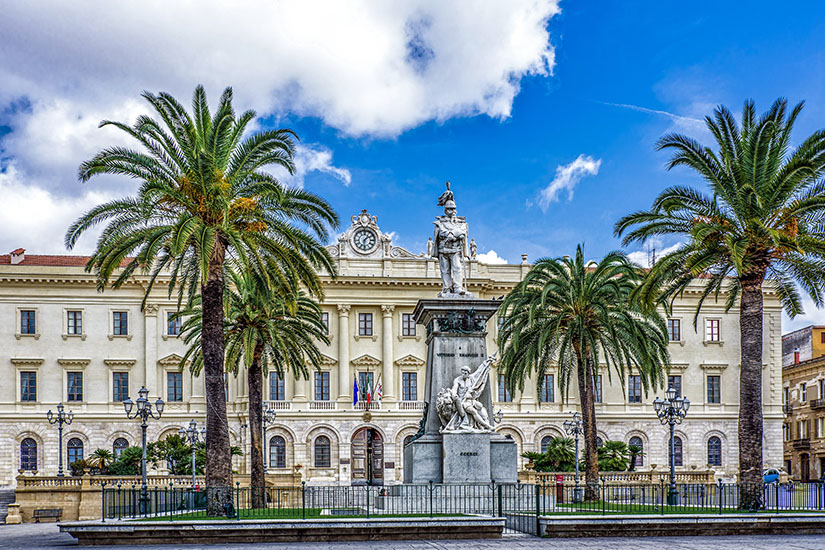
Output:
x=457 y=337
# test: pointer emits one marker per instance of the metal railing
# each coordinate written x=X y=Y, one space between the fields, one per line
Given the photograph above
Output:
x=521 y=504
x=817 y=403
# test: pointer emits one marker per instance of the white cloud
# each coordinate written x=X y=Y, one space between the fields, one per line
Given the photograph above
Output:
x=491 y=258
x=367 y=69
x=567 y=176
x=654 y=247
x=683 y=123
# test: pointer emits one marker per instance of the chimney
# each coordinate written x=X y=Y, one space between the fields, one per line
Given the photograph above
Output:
x=795 y=356
x=17 y=256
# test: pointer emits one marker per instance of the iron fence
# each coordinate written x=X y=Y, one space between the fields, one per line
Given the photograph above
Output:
x=521 y=504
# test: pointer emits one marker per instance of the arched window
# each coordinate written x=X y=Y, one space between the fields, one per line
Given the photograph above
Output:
x=322 y=458
x=74 y=451
x=277 y=452
x=599 y=442
x=714 y=451
x=545 y=442
x=119 y=446
x=28 y=454
x=640 y=458
x=408 y=440
x=677 y=450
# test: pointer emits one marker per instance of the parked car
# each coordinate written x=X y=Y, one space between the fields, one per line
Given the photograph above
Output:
x=771 y=475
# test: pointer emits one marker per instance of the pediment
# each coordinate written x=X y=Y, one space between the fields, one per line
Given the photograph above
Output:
x=171 y=360
x=327 y=361
x=410 y=361
x=366 y=360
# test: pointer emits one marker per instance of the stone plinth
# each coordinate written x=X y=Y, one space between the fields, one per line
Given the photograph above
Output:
x=503 y=460
x=466 y=458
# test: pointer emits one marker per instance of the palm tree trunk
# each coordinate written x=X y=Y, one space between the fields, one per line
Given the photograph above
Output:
x=258 y=479
x=591 y=457
x=218 y=456
x=750 y=391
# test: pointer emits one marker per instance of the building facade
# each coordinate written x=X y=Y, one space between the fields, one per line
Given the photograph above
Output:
x=803 y=433
x=63 y=341
x=803 y=344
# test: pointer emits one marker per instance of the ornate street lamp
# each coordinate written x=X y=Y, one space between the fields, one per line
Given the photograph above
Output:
x=574 y=428
x=671 y=411
x=268 y=417
x=60 y=418
x=192 y=435
x=143 y=411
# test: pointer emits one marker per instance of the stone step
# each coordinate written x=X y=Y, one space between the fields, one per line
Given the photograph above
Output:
x=6 y=498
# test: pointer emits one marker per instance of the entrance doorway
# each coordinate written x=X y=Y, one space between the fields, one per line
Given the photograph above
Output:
x=804 y=467
x=367 y=453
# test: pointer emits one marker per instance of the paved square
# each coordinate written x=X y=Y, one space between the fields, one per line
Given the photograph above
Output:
x=48 y=537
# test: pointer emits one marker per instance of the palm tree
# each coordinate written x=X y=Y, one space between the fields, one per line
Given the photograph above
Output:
x=762 y=222
x=613 y=456
x=558 y=456
x=268 y=331
x=203 y=198
x=577 y=315
x=100 y=459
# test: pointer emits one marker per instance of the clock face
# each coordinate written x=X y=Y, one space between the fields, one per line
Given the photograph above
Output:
x=364 y=240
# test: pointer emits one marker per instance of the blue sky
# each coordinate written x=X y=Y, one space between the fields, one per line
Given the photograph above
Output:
x=390 y=102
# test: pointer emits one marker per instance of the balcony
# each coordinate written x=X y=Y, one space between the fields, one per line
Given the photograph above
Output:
x=817 y=403
x=787 y=409
x=278 y=405
x=322 y=405
x=410 y=405
x=362 y=406
x=802 y=444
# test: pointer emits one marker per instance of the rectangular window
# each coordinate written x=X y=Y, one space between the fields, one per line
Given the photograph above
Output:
x=598 y=389
x=120 y=323
x=822 y=337
x=819 y=425
x=548 y=389
x=407 y=324
x=28 y=386
x=276 y=387
x=120 y=381
x=803 y=391
x=173 y=324
x=714 y=388
x=674 y=330
x=27 y=322
x=365 y=324
x=74 y=383
x=785 y=392
x=712 y=330
x=675 y=382
x=786 y=432
x=409 y=386
x=822 y=390
x=802 y=429
x=74 y=322
x=321 y=386
x=634 y=388
x=174 y=386
x=365 y=382
x=325 y=320
x=503 y=395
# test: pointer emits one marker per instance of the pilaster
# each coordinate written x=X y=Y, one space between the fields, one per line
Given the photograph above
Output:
x=344 y=375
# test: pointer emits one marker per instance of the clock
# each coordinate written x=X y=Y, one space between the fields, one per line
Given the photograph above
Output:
x=364 y=240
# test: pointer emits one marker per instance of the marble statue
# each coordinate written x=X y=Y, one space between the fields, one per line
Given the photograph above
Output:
x=450 y=247
x=459 y=407
x=473 y=248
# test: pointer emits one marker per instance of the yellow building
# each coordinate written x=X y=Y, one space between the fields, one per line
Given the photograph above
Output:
x=62 y=341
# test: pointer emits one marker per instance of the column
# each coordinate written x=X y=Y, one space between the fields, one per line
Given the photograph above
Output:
x=300 y=388
x=344 y=378
x=150 y=351
x=388 y=380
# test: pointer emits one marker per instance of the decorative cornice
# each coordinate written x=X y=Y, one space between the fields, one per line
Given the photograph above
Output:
x=119 y=362
x=171 y=360
x=410 y=361
x=27 y=361
x=679 y=366
x=366 y=361
x=714 y=366
x=68 y=362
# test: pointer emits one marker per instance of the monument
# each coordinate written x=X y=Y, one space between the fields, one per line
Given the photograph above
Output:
x=457 y=442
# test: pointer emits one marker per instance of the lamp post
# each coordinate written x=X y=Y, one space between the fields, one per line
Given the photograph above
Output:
x=268 y=417
x=574 y=428
x=671 y=411
x=192 y=435
x=62 y=417
x=143 y=411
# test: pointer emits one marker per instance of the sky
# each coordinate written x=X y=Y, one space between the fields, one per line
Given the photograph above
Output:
x=543 y=114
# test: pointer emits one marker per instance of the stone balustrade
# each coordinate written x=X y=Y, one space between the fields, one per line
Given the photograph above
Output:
x=652 y=476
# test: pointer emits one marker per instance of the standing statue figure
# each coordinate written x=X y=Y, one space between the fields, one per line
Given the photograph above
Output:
x=473 y=248
x=459 y=407
x=450 y=247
